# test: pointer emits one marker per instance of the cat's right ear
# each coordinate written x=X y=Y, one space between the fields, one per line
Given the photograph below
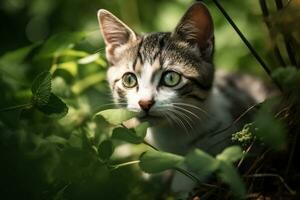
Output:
x=196 y=27
x=115 y=33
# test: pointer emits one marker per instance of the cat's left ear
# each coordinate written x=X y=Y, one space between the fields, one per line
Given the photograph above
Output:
x=196 y=27
x=116 y=34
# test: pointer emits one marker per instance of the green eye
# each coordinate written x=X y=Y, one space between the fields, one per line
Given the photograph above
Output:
x=171 y=78
x=129 y=80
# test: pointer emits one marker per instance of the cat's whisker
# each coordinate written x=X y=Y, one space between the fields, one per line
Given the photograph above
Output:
x=191 y=106
x=176 y=118
x=100 y=50
x=188 y=111
x=184 y=117
x=169 y=120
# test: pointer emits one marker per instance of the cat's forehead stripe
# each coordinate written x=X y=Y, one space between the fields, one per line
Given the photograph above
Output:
x=138 y=55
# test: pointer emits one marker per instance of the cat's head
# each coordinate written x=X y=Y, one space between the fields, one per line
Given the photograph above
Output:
x=156 y=72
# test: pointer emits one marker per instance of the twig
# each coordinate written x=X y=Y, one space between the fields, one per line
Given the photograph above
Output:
x=292 y=192
x=287 y=38
x=253 y=196
x=150 y=145
x=188 y=174
x=144 y=141
x=292 y=153
x=246 y=42
x=125 y=164
x=195 y=179
x=279 y=4
x=257 y=161
x=16 y=107
x=16 y=79
x=246 y=152
x=229 y=126
x=265 y=12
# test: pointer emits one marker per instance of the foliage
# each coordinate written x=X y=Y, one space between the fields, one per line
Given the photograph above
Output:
x=60 y=138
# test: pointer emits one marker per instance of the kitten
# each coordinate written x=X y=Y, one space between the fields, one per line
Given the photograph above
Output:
x=169 y=78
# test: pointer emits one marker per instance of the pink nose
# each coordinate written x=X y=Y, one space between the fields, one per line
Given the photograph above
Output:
x=146 y=104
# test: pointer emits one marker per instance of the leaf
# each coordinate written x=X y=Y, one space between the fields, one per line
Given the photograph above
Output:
x=56 y=44
x=105 y=149
x=54 y=108
x=116 y=116
x=269 y=129
x=70 y=67
x=141 y=130
x=41 y=89
x=88 y=59
x=93 y=58
x=56 y=139
x=230 y=176
x=17 y=56
x=288 y=77
x=201 y=163
x=230 y=154
x=156 y=161
x=87 y=82
x=135 y=136
x=127 y=135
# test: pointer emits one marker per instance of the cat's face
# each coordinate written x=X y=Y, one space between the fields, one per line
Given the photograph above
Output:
x=158 y=73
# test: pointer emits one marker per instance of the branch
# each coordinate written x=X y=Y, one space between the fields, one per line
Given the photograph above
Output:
x=292 y=192
x=265 y=11
x=230 y=125
x=246 y=42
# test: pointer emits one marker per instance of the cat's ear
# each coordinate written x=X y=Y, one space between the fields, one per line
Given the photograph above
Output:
x=115 y=33
x=196 y=27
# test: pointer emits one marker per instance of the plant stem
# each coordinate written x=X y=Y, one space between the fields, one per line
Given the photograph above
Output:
x=125 y=164
x=287 y=38
x=194 y=141
x=292 y=192
x=194 y=178
x=265 y=11
x=246 y=42
x=16 y=107
x=150 y=145
x=188 y=174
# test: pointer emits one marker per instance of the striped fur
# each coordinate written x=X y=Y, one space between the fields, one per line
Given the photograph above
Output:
x=198 y=104
x=196 y=107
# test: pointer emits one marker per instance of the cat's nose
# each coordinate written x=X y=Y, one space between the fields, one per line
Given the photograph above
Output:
x=146 y=104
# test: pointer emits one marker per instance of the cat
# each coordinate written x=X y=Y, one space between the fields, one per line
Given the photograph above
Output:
x=170 y=80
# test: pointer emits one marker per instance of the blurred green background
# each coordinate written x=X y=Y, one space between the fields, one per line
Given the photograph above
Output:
x=43 y=157
x=28 y=21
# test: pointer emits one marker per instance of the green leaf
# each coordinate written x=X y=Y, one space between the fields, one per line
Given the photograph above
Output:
x=230 y=176
x=141 y=130
x=135 y=136
x=269 y=129
x=127 y=135
x=201 y=163
x=17 y=56
x=54 y=108
x=288 y=77
x=41 y=89
x=57 y=44
x=56 y=139
x=105 y=149
x=157 y=161
x=116 y=116
x=231 y=154
x=70 y=67
x=87 y=82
